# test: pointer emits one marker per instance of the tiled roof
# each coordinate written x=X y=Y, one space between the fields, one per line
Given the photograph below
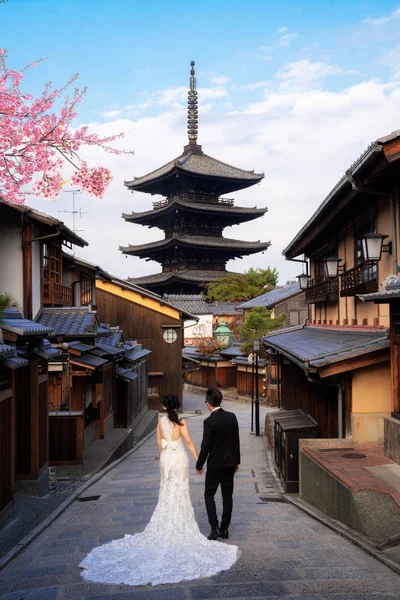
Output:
x=90 y=360
x=196 y=164
x=80 y=346
x=136 y=353
x=126 y=374
x=71 y=322
x=6 y=350
x=184 y=275
x=15 y=362
x=243 y=212
x=195 y=241
x=313 y=347
x=275 y=296
x=389 y=290
x=196 y=304
x=13 y=322
x=369 y=154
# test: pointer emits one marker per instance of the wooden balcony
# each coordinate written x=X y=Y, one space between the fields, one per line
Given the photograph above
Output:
x=55 y=294
x=325 y=291
x=359 y=280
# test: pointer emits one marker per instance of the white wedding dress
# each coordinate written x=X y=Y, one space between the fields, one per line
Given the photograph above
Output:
x=171 y=548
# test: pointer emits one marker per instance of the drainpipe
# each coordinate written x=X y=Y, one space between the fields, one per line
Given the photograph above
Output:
x=394 y=199
x=339 y=402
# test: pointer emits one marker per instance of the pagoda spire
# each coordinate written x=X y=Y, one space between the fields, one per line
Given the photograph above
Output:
x=192 y=108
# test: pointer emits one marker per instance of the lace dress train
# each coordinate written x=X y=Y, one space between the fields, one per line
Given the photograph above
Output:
x=171 y=548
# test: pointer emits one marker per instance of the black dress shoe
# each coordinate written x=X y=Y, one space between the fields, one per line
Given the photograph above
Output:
x=223 y=534
x=214 y=534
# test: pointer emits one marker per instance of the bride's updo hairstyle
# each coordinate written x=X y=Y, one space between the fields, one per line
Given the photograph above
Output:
x=171 y=403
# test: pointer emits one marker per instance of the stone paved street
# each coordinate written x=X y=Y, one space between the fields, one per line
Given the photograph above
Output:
x=285 y=553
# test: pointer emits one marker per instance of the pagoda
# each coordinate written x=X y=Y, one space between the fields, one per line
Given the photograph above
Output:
x=192 y=215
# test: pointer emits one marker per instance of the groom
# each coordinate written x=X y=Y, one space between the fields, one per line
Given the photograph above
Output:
x=221 y=448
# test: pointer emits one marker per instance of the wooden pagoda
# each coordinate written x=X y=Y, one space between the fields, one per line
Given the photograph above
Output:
x=192 y=215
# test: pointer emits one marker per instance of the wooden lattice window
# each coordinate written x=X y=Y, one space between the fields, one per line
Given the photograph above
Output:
x=51 y=262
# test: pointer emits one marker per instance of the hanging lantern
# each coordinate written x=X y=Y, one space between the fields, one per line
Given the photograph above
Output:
x=303 y=281
x=332 y=266
x=372 y=244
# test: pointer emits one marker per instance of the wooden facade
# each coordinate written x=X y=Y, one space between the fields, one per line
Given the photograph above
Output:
x=213 y=373
x=7 y=441
x=146 y=320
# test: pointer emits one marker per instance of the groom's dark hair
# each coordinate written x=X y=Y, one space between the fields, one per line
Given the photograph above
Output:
x=213 y=397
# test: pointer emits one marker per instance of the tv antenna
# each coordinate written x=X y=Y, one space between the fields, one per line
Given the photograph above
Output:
x=75 y=211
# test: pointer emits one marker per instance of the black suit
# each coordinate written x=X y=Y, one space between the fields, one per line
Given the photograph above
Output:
x=221 y=448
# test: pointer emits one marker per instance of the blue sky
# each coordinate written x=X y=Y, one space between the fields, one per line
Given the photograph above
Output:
x=296 y=90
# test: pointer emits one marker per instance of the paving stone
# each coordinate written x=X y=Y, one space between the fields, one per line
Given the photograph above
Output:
x=331 y=586
x=154 y=594
x=50 y=571
x=245 y=590
x=41 y=594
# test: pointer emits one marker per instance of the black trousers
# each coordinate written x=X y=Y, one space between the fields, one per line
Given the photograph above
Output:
x=224 y=478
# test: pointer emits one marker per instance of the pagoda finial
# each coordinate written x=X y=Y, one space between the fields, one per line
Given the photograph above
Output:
x=192 y=107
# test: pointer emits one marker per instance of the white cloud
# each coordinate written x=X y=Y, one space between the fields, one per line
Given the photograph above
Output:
x=302 y=136
x=383 y=20
x=282 y=30
x=286 y=39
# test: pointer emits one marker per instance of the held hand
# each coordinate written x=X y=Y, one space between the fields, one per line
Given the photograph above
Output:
x=200 y=471
x=236 y=468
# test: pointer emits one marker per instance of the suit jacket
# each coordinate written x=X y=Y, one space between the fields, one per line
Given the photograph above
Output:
x=220 y=445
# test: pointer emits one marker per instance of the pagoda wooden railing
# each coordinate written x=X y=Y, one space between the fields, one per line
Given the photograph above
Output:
x=194 y=198
x=55 y=294
x=362 y=279
x=322 y=291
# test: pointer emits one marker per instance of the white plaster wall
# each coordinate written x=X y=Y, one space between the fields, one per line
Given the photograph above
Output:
x=36 y=275
x=11 y=259
x=199 y=330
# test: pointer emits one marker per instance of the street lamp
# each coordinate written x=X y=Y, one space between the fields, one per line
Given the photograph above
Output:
x=303 y=281
x=332 y=266
x=256 y=350
x=372 y=246
x=223 y=334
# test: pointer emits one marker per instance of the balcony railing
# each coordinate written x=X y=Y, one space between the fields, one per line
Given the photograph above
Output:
x=359 y=280
x=55 y=294
x=324 y=291
x=194 y=198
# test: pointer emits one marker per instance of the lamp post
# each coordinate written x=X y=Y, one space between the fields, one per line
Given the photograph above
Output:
x=223 y=335
x=256 y=349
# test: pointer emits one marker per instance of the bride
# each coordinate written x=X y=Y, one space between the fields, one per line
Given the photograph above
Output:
x=171 y=548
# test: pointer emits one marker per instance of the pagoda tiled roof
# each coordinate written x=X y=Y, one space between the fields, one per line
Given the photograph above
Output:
x=241 y=212
x=199 y=241
x=196 y=163
x=191 y=276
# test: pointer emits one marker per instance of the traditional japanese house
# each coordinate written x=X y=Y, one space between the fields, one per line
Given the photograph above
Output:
x=10 y=364
x=31 y=269
x=30 y=397
x=288 y=299
x=145 y=316
x=337 y=367
x=214 y=370
x=192 y=215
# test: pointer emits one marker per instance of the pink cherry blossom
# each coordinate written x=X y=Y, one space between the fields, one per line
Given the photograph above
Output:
x=35 y=143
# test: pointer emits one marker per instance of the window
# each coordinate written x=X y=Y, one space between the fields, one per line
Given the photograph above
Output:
x=170 y=336
x=51 y=262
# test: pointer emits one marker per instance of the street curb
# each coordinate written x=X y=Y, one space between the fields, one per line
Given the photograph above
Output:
x=354 y=537
x=17 y=549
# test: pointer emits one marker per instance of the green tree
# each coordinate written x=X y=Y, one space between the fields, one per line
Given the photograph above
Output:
x=243 y=286
x=6 y=301
x=258 y=322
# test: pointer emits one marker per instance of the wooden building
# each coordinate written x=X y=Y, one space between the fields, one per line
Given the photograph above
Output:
x=337 y=368
x=214 y=370
x=145 y=316
x=192 y=216
x=30 y=398
x=288 y=299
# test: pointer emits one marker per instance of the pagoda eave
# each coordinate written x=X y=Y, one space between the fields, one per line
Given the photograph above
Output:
x=186 y=275
x=227 y=215
x=201 y=243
